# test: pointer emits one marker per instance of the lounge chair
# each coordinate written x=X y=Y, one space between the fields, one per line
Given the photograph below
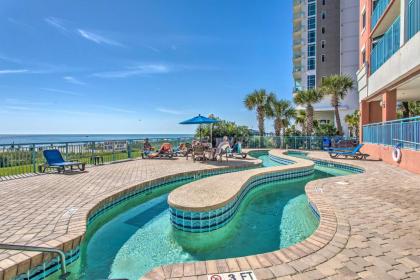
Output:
x=55 y=160
x=166 y=150
x=236 y=151
x=344 y=152
x=199 y=152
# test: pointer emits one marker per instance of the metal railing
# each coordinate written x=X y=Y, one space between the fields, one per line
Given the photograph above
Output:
x=386 y=46
x=405 y=132
x=26 y=158
x=413 y=18
x=289 y=142
x=378 y=11
x=64 y=274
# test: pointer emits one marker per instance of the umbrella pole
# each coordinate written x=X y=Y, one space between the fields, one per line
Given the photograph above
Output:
x=211 y=134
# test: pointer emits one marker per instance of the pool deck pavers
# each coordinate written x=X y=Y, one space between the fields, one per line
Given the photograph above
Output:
x=51 y=209
x=369 y=229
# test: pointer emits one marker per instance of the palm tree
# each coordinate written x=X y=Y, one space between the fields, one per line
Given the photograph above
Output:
x=301 y=120
x=308 y=98
x=353 y=121
x=337 y=86
x=260 y=101
x=282 y=111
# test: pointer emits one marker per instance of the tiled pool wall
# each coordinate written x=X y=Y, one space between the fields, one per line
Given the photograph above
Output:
x=206 y=221
x=48 y=268
x=199 y=222
x=327 y=163
x=282 y=161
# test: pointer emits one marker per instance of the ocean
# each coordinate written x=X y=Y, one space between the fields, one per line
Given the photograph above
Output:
x=58 y=138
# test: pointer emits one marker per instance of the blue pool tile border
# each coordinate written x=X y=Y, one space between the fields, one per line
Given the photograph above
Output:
x=199 y=222
x=48 y=268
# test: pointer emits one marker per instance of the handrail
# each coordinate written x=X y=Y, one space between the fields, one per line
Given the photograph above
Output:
x=393 y=121
x=16 y=247
x=91 y=141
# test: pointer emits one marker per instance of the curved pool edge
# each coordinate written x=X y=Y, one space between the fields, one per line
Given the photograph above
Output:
x=328 y=240
x=211 y=203
x=34 y=263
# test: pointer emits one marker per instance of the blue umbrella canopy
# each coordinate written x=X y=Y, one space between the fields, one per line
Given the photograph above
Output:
x=199 y=120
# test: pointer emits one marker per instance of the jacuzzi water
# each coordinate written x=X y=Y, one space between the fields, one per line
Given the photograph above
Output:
x=130 y=241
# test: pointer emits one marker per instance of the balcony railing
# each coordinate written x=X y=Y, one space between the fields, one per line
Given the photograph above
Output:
x=413 y=18
x=386 y=46
x=379 y=11
x=405 y=132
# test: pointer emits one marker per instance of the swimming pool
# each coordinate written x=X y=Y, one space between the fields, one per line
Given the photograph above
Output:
x=128 y=241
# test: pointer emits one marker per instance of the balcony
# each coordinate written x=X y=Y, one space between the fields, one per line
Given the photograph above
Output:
x=413 y=18
x=378 y=11
x=386 y=46
x=298 y=16
x=297 y=71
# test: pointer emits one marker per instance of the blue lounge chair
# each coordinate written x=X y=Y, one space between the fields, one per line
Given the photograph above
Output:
x=354 y=153
x=236 y=150
x=55 y=160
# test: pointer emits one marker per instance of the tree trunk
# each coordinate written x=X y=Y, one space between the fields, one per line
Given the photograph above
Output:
x=260 y=119
x=337 y=120
x=277 y=126
x=406 y=109
x=309 y=119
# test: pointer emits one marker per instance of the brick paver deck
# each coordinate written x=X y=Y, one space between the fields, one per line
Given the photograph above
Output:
x=370 y=223
x=369 y=229
x=51 y=210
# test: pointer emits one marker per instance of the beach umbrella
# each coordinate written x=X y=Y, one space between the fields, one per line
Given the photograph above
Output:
x=202 y=120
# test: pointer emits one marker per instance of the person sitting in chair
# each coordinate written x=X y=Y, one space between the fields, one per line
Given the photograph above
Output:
x=223 y=145
x=147 y=147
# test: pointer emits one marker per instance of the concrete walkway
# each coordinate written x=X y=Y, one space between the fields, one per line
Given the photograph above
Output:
x=369 y=229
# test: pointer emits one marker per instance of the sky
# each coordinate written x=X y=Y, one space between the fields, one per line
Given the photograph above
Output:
x=138 y=66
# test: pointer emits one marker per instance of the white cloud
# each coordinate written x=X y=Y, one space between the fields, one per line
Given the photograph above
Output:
x=145 y=69
x=73 y=80
x=98 y=39
x=13 y=71
x=171 y=111
x=56 y=23
x=66 y=92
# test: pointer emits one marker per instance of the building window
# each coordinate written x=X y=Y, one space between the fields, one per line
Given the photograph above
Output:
x=323 y=44
x=311 y=82
x=311 y=63
x=311 y=23
x=323 y=15
x=311 y=36
x=323 y=2
x=364 y=20
x=311 y=9
x=323 y=30
x=323 y=58
x=323 y=78
x=311 y=50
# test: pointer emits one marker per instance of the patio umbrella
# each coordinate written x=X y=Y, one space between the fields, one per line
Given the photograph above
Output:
x=202 y=120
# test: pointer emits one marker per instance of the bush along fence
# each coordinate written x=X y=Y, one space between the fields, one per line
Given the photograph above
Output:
x=289 y=142
x=26 y=158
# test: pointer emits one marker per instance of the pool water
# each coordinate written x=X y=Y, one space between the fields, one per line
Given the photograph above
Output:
x=138 y=238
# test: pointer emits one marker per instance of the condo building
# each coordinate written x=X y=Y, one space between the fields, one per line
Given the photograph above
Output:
x=326 y=42
x=389 y=73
